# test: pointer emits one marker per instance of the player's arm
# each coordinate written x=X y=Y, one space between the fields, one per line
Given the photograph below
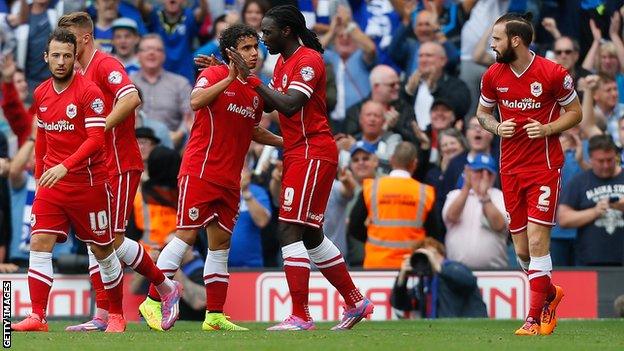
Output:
x=571 y=117
x=487 y=101
x=205 y=93
x=122 y=109
x=201 y=11
x=287 y=103
x=40 y=149
x=263 y=136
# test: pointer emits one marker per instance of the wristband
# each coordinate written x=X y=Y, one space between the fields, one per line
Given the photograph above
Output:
x=31 y=139
x=497 y=129
x=253 y=81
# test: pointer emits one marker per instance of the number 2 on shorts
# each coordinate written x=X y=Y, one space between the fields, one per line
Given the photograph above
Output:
x=542 y=200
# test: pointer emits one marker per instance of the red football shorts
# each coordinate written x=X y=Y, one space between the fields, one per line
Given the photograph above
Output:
x=200 y=202
x=306 y=185
x=85 y=208
x=124 y=187
x=531 y=197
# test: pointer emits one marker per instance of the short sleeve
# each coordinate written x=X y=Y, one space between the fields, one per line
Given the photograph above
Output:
x=307 y=74
x=93 y=107
x=563 y=86
x=114 y=79
x=210 y=76
x=488 y=94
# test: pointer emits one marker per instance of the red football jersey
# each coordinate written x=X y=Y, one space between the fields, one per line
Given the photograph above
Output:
x=222 y=131
x=306 y=133
x=537 y=93
x=122 y=147
x=65 y=120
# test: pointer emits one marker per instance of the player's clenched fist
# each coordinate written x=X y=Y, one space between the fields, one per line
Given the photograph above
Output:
x=537 y=130
x=506 y=129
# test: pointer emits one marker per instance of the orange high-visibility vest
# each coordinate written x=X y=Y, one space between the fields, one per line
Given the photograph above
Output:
x=397 y=210
x=156 y=221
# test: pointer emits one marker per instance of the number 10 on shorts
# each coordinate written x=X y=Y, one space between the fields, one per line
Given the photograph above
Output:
x=99 y=220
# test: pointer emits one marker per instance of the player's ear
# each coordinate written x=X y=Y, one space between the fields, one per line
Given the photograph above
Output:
x=45 y=57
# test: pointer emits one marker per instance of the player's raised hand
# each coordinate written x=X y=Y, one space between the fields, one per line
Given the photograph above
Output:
x=52 y=175
x=205 y=61
x=240 y=63
x=537 y=130
x=506 y=129
x=233 y=71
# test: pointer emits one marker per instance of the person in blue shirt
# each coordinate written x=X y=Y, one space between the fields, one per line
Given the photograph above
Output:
x=178 y=27
x=211 y=48
x=254 y=214
x=104 y=13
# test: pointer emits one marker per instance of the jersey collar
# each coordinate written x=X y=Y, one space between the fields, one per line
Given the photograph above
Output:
x=527 y=67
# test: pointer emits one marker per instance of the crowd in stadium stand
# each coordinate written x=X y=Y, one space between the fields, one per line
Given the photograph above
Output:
x=398 y=71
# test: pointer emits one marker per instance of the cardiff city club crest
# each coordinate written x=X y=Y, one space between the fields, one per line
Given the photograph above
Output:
x=284 y=81
x=536 y=89
x=71 y=111
x=193 y=213
x=256 y=101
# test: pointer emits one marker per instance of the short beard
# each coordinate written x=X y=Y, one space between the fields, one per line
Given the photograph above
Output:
x=508 y=56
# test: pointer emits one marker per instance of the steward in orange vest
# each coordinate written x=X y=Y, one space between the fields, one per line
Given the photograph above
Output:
x=396 y=208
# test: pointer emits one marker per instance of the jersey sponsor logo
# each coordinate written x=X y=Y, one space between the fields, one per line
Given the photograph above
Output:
x=284 y=81
x=114 y=77
x=229 y=93
x=201 y=82
x=71 y=111
x=246 y=112
x=60 y=126
x=256 y=101
x=536 y=89
x=524 y=104
x=43 y=108
x=568 y=83
x=97 y=106
x=307 y=73
x=193 y=213
x=315 y=217
x=502 y=89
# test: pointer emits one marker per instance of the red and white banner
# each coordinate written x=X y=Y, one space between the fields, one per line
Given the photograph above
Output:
x=264 y=296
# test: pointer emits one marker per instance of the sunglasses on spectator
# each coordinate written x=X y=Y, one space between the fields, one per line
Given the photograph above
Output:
x=391 y=84
x=567 y=52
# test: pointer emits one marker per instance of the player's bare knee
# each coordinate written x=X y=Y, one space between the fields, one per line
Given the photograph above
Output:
x=42 y=242
x=119 y=239
x=289 y=233
x=102 y=251
x=188 y=236
x=313 y=237
x=218 y=239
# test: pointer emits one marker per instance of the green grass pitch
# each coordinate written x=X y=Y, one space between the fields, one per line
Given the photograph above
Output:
x=385 y=336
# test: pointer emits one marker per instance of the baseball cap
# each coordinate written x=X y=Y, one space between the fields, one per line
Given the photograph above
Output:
x=444 y=102
x=362 y=146
x=146 y=133
x=126 y=23
x=483 y=161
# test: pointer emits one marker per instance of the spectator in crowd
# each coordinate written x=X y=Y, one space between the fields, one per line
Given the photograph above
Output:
x=567 y=53
x=396 y=208
x=36 y=22
x=562 y=240
x=254 y=214
x=372 y=123
x=405 y=50
x=606 y=56
x=477 y=28
x=601 y=107
x=398 y=113
x=474 y=217
x=352 y=55
x=593 y=203
x=451 y=17
x=154 y=215
x=166 y=94
x=451 y=142
x=147 y=141
x=177 y=26
x=211 y=48
x=430 y=82
x=125 y=43
x=479 y=142
x=14 y=89
x=106 y=12
x=448 y=290
x=378 y=21
x=251 y=14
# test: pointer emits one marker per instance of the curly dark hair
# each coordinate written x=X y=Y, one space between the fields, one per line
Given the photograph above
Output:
x=290 y=16
x=232 y=35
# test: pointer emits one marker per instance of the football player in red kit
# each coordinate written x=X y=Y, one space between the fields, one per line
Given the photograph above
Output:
x=297 y=92
x=227 y=118
x=536 y=101
x=124 y=169
x=72 y=179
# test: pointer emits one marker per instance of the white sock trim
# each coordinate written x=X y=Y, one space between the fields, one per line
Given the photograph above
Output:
x=130 y=252
x=110 y=270
x=326 y=254
x=296 y=249
x=94 y=267
x=523 y=264
x=171 y=256
x=40 y=267
x=216 y=266
x=543 y=263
